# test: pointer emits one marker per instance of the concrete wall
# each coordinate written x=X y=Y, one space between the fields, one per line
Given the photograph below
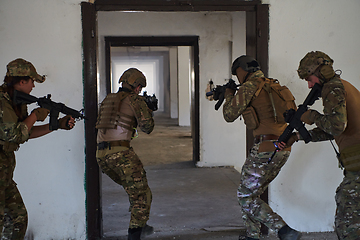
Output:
x=304 y=191
x=50 y=170
x=184 y=85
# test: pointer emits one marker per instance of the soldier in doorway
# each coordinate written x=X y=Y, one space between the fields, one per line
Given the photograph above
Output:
x=340 y=121
x=16 y=127
x=120 y=114
x=261 y=101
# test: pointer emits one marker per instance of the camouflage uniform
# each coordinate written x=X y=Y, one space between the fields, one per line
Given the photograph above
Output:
x=12 y=133
x=256 y=173
x=340 y=121
x=124 y=167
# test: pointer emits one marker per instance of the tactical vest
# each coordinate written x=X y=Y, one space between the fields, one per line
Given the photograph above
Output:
x=349 y=140
x=268 y=105
x=110 y=115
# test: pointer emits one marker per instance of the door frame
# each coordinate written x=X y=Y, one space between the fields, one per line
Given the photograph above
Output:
x=257 y=35
x=191 y=41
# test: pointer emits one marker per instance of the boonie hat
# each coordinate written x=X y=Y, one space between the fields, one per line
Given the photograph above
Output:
x=22 y=68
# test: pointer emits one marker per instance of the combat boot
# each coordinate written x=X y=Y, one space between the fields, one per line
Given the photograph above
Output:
x=140 y=232
x=147 y=230
x=247 y=238
x=287 y=233
x=134 y=233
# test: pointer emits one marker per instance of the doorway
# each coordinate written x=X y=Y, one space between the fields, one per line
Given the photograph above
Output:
x=256 y=45
x=173 y=87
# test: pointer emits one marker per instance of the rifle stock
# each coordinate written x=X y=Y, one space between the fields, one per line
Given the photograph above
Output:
x=45 y=102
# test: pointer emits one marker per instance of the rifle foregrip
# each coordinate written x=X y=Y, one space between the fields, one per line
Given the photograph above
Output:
x=284 y=137
x=305 y=134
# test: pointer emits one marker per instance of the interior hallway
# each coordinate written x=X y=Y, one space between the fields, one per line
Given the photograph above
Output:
x=187 y=201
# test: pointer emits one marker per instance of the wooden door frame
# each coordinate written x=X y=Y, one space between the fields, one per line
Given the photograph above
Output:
x=257 y=35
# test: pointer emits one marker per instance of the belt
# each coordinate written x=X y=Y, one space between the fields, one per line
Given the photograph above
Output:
x=104 y=145
x=265 y=137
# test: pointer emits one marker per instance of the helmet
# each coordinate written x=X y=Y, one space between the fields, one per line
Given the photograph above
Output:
x=247 y=63
x=22 y=68
x=312 y=61
x=133 y=77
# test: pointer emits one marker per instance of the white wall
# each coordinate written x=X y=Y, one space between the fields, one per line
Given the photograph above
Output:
x=184 y=85
x=173 y=58
x=304 y=191
x=50 y=170
x=215 y=31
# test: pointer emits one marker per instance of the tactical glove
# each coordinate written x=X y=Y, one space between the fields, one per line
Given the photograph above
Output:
x=64 y=122
x=308 y=117
x=229 y=91
x=41 y=113
x=293 y=138
x=231 y=84
x=230 y=88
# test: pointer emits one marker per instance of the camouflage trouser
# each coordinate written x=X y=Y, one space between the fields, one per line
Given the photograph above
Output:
x=256 y=175
x=125 y=168
x=11 y=202
x=347 y=218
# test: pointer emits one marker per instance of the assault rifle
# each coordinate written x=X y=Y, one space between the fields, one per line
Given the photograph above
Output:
x=293 y=118
x=218 y=92
x=151 y=101
x=54 y=107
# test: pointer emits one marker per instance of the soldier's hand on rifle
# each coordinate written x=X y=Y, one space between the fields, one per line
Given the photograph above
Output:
x=230 y=87
x=308 y=117
x=293 y=138
x=41 y=113
x=66 y=122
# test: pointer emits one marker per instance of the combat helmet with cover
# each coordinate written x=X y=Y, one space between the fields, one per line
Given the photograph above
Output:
x=316 y=63
x=133 y=77
x=247 y=63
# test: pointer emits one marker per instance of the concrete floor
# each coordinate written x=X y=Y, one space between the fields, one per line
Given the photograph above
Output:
x=189 y=203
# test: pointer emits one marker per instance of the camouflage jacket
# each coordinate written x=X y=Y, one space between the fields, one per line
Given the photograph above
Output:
x=234 y=106
x=333 y=121
x=11 y=129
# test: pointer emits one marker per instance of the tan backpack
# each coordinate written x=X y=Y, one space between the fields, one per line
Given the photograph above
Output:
x=281 y=100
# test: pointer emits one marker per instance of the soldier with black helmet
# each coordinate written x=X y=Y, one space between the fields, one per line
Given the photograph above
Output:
x=261 y=101
x=340 y=121
x=119 y=115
